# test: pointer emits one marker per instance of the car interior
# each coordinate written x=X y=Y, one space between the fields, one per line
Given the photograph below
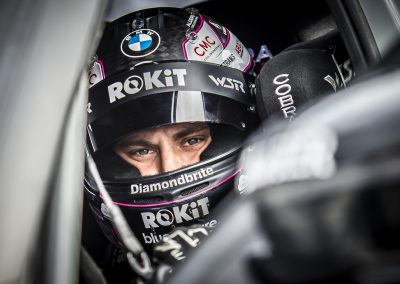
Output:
x=43 y=68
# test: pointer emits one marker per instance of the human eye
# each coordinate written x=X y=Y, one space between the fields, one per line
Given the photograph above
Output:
x=193 y=141
x=141 y=152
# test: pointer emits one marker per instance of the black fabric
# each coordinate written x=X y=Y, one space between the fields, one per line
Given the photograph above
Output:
x=324 y=42
x=100 y=260
x=224 y=139
x=89 y=273
x=111 y=166
x=292 y=78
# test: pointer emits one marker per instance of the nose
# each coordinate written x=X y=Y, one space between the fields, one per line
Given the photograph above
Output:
x=172 y=160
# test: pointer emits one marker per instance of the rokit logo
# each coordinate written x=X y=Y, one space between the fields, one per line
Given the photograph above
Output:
x=150 y=80
x=178 y=214
x=228 y=83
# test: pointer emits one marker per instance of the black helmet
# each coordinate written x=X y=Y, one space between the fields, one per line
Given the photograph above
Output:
x=160 y=67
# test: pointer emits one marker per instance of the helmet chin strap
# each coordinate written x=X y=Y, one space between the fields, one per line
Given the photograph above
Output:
x=137 y=257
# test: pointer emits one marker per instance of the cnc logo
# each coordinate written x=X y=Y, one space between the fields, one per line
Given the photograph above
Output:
x=228 y=83
x=178 y=214
x=140 y=43
x=149 y=80
x=204 y=45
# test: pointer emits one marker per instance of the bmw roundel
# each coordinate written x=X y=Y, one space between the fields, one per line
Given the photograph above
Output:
x=140 y=43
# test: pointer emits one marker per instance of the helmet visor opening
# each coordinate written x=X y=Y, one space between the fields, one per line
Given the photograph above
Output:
x=164 y=149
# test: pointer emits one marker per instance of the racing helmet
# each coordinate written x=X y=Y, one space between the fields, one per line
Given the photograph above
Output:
x=160 y=67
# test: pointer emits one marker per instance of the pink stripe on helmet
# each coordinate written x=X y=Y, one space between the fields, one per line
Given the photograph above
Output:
x=102 y=68
x=249 y=64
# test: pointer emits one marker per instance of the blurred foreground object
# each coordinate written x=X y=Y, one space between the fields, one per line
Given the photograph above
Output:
x=322 y=198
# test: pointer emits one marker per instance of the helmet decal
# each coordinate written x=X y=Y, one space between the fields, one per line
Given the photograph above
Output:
x=96 y=73
x=211 y=42
x=176 y=215
x=222 y=33
x=186 y=178
x=140 y=43
x=199 y=193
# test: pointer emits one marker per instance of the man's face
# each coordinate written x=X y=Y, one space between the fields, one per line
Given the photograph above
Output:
x=166 y=148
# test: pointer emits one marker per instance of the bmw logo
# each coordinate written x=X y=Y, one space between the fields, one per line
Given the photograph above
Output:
x=140 y=43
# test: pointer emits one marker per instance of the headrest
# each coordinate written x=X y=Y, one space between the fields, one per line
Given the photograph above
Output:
x=295 y=76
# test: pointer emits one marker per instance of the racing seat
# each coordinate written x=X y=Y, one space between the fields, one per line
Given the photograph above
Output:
x=301 y=74
x=323 y=208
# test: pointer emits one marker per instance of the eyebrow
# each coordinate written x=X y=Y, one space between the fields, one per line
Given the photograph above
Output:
x=144 y=143
x=189 y=130
x=135 y=142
